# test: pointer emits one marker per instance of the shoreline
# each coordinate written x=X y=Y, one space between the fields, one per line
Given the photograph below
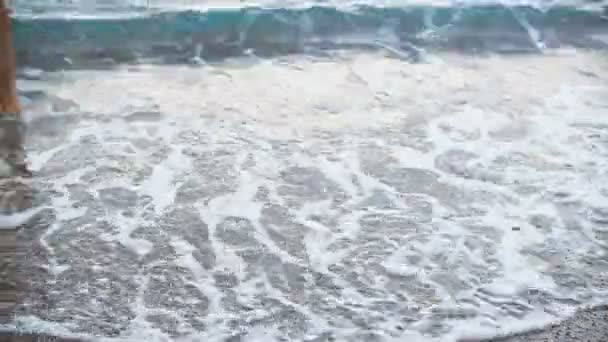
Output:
x=588 y=325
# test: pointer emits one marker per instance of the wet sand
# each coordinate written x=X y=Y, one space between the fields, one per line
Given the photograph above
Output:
x=585 y=326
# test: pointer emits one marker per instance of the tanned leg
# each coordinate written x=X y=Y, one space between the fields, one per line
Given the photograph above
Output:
x=8 y=91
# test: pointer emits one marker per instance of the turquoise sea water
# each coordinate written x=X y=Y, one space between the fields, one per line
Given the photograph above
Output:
x=179 y=34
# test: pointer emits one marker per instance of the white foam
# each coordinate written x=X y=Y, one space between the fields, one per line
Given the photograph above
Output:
x=203 y=279
x=112 y=9
x=161 y=185
x=37 y=161
x=12 y=221
x=271 y=116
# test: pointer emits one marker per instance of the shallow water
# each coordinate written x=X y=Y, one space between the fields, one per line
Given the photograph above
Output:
x=347 y=197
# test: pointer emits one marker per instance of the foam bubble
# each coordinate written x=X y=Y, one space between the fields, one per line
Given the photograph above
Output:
x=12 y=221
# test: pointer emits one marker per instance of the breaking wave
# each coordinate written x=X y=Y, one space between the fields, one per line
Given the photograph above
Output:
x=186 y=36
